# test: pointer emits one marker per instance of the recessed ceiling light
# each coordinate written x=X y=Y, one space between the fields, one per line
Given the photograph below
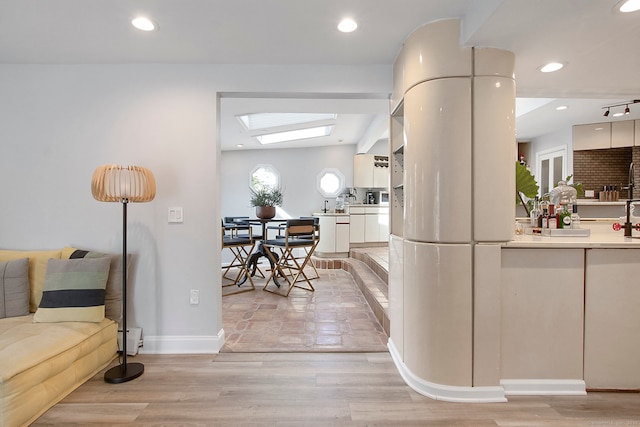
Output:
x=561 y=107
x=239 y=145
x=144 y=24
x=551 y=67
x=347 y=25
x=629 y=6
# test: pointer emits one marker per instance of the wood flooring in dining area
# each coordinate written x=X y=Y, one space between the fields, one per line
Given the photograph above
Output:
x=309 y=389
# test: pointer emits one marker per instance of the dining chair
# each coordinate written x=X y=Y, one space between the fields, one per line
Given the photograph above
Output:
x=299 y=234
x=239 y=241
x=237 y=222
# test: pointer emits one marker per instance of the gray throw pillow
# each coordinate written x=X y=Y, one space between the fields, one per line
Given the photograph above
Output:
x=14 y=288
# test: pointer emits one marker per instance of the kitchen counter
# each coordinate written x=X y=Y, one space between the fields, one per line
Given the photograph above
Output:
x=329 y=214
x=602 y=236
x=568 y=310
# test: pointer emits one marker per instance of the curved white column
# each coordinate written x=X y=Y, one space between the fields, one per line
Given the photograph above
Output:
x=437 y=163
x=459 y=189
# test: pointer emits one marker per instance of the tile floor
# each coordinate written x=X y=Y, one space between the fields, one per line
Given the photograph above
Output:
x=334 y=318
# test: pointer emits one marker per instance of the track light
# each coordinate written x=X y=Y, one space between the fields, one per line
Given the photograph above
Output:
x=626 y=108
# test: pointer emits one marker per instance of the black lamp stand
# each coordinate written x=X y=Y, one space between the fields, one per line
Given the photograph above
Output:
x=124 y=372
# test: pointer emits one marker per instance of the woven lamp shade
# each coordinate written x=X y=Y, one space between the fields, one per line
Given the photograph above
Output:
x=116 y=183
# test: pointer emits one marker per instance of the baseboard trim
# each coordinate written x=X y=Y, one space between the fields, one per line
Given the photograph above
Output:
x=445 y=392
x=167 y=344
x=544 y=387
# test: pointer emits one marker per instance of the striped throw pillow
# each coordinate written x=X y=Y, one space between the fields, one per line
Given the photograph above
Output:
x=74 y=290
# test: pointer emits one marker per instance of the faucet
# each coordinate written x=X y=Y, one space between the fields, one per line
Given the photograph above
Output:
x=631 y=184
x=325 y=206
x=628 y=226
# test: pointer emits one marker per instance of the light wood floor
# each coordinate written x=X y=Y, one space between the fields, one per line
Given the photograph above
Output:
x=308 y=389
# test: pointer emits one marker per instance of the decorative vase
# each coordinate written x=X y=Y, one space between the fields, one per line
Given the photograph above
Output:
x=265 y=212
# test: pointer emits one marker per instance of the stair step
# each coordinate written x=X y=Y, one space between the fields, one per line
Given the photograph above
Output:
x=370 y=277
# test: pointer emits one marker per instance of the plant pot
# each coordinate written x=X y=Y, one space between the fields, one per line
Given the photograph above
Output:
x=265 y=212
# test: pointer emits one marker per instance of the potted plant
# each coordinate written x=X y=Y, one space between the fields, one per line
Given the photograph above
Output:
x=265 y=199
x=525 y=185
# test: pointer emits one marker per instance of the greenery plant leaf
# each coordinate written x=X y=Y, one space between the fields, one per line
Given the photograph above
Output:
x=525 y=183
x=266 y=196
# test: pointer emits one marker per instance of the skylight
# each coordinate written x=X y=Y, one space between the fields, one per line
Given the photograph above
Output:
x=271 y=120
x=293 y=135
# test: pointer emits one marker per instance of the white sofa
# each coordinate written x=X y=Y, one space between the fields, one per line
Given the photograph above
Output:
x=42 y=361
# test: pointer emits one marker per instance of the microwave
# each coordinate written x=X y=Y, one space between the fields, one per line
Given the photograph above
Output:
x=383 y=198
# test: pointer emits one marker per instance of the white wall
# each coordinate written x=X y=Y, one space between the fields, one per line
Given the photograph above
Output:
x=298 y=170
x=553 y=140
x=57 y=123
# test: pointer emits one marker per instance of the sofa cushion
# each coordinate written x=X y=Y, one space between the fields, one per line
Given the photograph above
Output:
x=37 y=270
x=113 y=291
x=74 y=290
x=14 y=288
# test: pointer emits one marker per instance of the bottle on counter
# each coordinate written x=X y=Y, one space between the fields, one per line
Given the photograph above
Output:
x=575 y=218
x=552 y=221
x=535 y=213
x=564 y=216
x=544 y=218
x=543 y=206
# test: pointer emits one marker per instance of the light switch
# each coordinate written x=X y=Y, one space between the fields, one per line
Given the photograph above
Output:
x=175 y=215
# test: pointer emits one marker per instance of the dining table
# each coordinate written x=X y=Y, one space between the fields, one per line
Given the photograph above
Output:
x=259 y=251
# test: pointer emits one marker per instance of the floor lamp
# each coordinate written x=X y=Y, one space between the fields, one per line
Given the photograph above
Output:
x=124 y=184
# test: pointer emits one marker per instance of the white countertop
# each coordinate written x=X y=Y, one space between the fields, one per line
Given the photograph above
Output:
x=329 y=214
x=602 y=236
x=596 y=202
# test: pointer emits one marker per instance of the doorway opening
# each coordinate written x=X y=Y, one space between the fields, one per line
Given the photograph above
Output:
x=336 y=317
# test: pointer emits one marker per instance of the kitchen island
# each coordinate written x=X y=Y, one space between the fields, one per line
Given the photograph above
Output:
x=334 y=234
x=569 y=317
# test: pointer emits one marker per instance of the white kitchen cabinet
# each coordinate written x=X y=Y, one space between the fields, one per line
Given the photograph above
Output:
x=591 y=136
x=356 y=226
x=611 y=344
x=622 y=134
x=369 y=224
x=541 y=313
x=370 y=171
x=334 y=234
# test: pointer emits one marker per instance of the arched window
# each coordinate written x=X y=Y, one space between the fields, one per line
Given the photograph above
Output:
x=330 y=182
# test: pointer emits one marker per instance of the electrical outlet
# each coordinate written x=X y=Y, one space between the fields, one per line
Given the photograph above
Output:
x=194 y=297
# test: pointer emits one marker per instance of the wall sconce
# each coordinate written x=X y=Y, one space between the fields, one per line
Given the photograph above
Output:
x=626 y=107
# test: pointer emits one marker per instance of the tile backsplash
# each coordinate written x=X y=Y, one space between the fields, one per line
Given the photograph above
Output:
x=597 y=168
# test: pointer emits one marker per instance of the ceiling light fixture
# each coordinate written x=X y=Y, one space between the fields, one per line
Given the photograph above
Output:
x=144 y=24
x=551 y=67
x=347 y=25
x=621 y=113
x=629 y=6
x=561 y=107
